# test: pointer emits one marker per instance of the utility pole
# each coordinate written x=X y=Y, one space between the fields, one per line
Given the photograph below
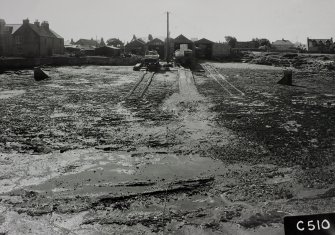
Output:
x=167 y=39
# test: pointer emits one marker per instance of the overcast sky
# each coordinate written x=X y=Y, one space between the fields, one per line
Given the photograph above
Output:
x=214 y=19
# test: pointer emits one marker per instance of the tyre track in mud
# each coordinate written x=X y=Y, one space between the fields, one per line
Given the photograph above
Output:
x=141 y=87
x=187 y=177
x=186 y=188
x=222 y=81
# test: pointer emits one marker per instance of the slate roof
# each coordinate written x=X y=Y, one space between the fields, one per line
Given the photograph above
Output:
x=87 y=42
x=136 y=43
x=156 y=40
x=283 y=42
x=13 y=27
x=182 y=39
x=203 y=41
x=322 y=40
x=55 y=34
x=39 y=30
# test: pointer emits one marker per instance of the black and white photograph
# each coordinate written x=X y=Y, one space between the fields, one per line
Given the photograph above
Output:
x=181 y=117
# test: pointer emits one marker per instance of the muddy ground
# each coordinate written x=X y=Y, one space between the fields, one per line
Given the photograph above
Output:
x=81 y=153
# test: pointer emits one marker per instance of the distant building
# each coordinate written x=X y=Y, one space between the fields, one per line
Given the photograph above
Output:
x=29 y=40
x=144 y=39
x=204 y=48
x=320 y=45
x=246 y=45
x=6 y=37
x=136 y=47
x=87 y=43
x=157 y=45
x=71 y=49
x=182 y=43
x=283 y=45
x=220 y=50
x=108 y=51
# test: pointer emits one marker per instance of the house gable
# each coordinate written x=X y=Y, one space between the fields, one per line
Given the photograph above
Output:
x=181 y=39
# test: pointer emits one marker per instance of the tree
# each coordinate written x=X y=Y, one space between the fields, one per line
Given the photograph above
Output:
x=231 y=41
x=134 y=38
x=72 y=42
x=115 y=42
x=102 y=42
x=150 y=38
x=262 y=42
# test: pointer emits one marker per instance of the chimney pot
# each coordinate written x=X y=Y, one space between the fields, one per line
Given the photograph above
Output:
x=45 y=25
x=26 y=21
x=37 y=23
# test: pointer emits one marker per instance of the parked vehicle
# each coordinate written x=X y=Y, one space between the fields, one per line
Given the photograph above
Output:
x=150 y=62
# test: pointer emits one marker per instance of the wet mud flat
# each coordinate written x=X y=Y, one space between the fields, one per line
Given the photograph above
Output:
x=181 y=155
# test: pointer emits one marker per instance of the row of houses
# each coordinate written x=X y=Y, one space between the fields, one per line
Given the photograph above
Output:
x=205 y=48
x=321 y=45
x=202 y=48
x=29 y=40
x=313 y=46
x=91 y=47
x=39 y=40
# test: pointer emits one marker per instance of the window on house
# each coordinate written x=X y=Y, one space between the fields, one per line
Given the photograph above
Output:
x=18 y=40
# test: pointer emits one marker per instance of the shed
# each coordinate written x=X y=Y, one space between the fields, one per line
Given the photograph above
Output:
x=220 y=50
x=182 y=43
x=108 y=51
x=204 y=48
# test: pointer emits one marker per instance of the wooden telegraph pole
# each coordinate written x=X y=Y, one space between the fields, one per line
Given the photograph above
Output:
x=167 y=39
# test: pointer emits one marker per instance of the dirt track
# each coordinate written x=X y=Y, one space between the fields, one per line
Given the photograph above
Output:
x=80 y=156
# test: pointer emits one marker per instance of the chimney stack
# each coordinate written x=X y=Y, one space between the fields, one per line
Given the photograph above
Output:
x=2 y=25
x=37 y=23
x=26 y=21
x=45 y=25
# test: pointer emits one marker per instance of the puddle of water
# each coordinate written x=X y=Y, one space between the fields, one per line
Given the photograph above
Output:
x=302 y=192
x=194 y=202
x=11 y=93
x=124 y=174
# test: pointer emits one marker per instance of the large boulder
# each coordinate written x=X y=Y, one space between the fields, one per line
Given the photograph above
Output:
x=39 y=75
x=287 y=78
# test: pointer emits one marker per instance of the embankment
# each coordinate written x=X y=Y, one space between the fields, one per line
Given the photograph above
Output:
x=24 y=63
x=314 y=62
